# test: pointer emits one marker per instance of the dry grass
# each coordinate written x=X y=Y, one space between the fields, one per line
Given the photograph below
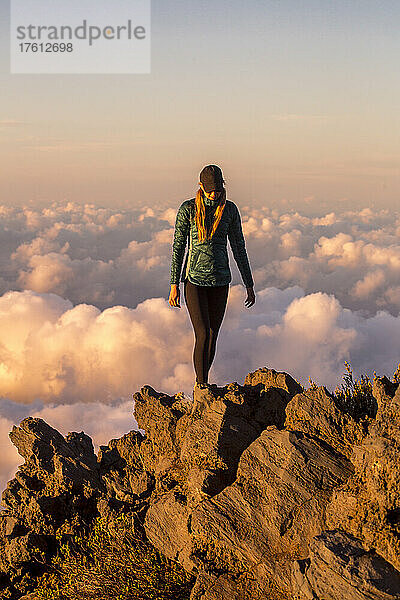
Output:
x=113 y=562
x=354 y=396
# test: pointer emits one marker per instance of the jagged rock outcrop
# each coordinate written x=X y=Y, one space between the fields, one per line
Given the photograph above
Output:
x=274 y=508
x=315 y=413
x=261 y=490
x=368 y=506
x=56 y=489
x=340 y=567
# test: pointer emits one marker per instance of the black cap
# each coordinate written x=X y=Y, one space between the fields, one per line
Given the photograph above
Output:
x=211 y=178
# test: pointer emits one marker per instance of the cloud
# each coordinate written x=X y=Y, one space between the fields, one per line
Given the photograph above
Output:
x=54 y=352
x=63 y=146
x=297 y=117
x=87 y=254
x=353 y=255
x=107 y=257
x=368 y=284
x=71 y=364
x=5 y=123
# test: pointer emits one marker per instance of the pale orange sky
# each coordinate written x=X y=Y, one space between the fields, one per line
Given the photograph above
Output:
x=298 y=103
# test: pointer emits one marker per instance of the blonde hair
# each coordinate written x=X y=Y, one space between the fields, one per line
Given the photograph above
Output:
x=201 y=212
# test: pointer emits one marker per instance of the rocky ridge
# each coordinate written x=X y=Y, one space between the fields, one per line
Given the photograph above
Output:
x=263 y=491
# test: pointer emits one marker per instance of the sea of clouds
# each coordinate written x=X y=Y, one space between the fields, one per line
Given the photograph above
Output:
x=85 y=319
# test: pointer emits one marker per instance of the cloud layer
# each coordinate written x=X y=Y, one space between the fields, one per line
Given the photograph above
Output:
x=54 y=352
x=85 y=320
x=86 y=254
x=108 y=257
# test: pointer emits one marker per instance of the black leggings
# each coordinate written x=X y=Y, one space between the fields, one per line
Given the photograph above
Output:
x=206 y=306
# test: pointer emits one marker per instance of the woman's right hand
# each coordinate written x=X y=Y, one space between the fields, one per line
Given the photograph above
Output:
x=174 y=296
x=251 y=297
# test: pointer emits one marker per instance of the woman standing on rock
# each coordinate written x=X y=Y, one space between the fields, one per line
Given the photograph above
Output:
x=206 y=221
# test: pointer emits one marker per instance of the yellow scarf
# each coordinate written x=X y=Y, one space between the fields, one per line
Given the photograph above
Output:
x=201 y=213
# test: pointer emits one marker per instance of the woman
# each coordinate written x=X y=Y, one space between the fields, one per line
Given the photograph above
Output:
x=206 y=221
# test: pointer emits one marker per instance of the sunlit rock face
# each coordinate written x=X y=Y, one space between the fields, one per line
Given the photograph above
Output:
x=260 y=490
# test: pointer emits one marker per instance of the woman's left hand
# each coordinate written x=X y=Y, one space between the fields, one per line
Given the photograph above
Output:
x=251 y=297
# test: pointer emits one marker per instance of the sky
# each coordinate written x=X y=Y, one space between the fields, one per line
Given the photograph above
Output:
x=294 y=100
x=298 y=104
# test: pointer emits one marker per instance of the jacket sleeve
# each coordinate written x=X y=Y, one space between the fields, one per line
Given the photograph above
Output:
x=236 y=240
x=182 y=227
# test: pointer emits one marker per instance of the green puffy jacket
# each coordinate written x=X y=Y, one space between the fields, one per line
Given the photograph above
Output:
x=207 y=262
